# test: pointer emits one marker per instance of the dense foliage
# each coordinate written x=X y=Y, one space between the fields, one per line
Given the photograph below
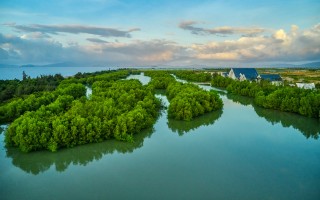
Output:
x=194 y=76
x=115 y=110
x=116 y=75
x=283 y=98
x=187 y=101
x=219 y=81
x=17 y=107
x=159 y=79
x=17 y=88
x=296 y=100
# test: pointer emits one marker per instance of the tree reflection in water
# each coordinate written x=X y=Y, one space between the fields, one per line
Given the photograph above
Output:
x=37 y=162
x=309 y=127
x=182 y=127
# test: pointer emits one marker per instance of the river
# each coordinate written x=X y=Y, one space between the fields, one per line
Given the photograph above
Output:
x=240 y=152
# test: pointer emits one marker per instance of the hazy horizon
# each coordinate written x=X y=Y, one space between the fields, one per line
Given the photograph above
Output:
x=160 y=33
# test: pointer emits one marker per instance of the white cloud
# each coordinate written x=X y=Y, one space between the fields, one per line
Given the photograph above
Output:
x=279 y=46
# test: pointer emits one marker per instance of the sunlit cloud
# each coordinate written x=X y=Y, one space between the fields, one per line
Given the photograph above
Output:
x=141 y=52
x=279 y=46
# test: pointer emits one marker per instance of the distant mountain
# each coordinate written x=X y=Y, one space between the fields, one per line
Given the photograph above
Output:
x=62 y=64
x=6 y=65
x=313 y=65
x=28 y=65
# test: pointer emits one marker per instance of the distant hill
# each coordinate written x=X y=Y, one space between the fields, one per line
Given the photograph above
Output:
x=62 y=64
x=312 y=65
x=306 y=65
x=28 y=65
x=6 y=65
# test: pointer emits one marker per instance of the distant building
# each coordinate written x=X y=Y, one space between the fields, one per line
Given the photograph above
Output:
x=275 y=79
x=242 y=74
x=306 y=85
x=223 y=74
x=211 y=73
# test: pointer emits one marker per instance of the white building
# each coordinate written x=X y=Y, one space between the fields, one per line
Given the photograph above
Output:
x=275 y=79
x=243 y=74
x=306 y=85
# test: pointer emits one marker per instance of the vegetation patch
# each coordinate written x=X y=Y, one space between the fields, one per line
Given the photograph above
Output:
x=283 y=98
x=116 y=109
x=187 y=100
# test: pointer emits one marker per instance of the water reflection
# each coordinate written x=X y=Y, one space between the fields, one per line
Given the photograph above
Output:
x=178 y=79
x=309 y=127
x=182 y=127
x=141 y=77
x=240 y=99
x=161 y=95
x=88 y=92
x=37 y=162
x=3 y=127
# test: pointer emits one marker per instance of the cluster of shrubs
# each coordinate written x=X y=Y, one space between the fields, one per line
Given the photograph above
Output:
x=283 y=98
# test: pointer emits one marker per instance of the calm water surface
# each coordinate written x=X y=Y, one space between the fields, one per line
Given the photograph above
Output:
x=240 y=152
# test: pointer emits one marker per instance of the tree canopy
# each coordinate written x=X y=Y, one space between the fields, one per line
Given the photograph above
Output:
x=284 y=98
x=18 y=88
x=66 y=118
x=187 y=101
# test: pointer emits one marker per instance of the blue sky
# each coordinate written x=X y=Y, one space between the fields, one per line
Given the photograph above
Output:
x=164 y=32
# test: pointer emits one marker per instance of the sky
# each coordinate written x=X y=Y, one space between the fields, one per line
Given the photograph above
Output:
x=160 y=32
